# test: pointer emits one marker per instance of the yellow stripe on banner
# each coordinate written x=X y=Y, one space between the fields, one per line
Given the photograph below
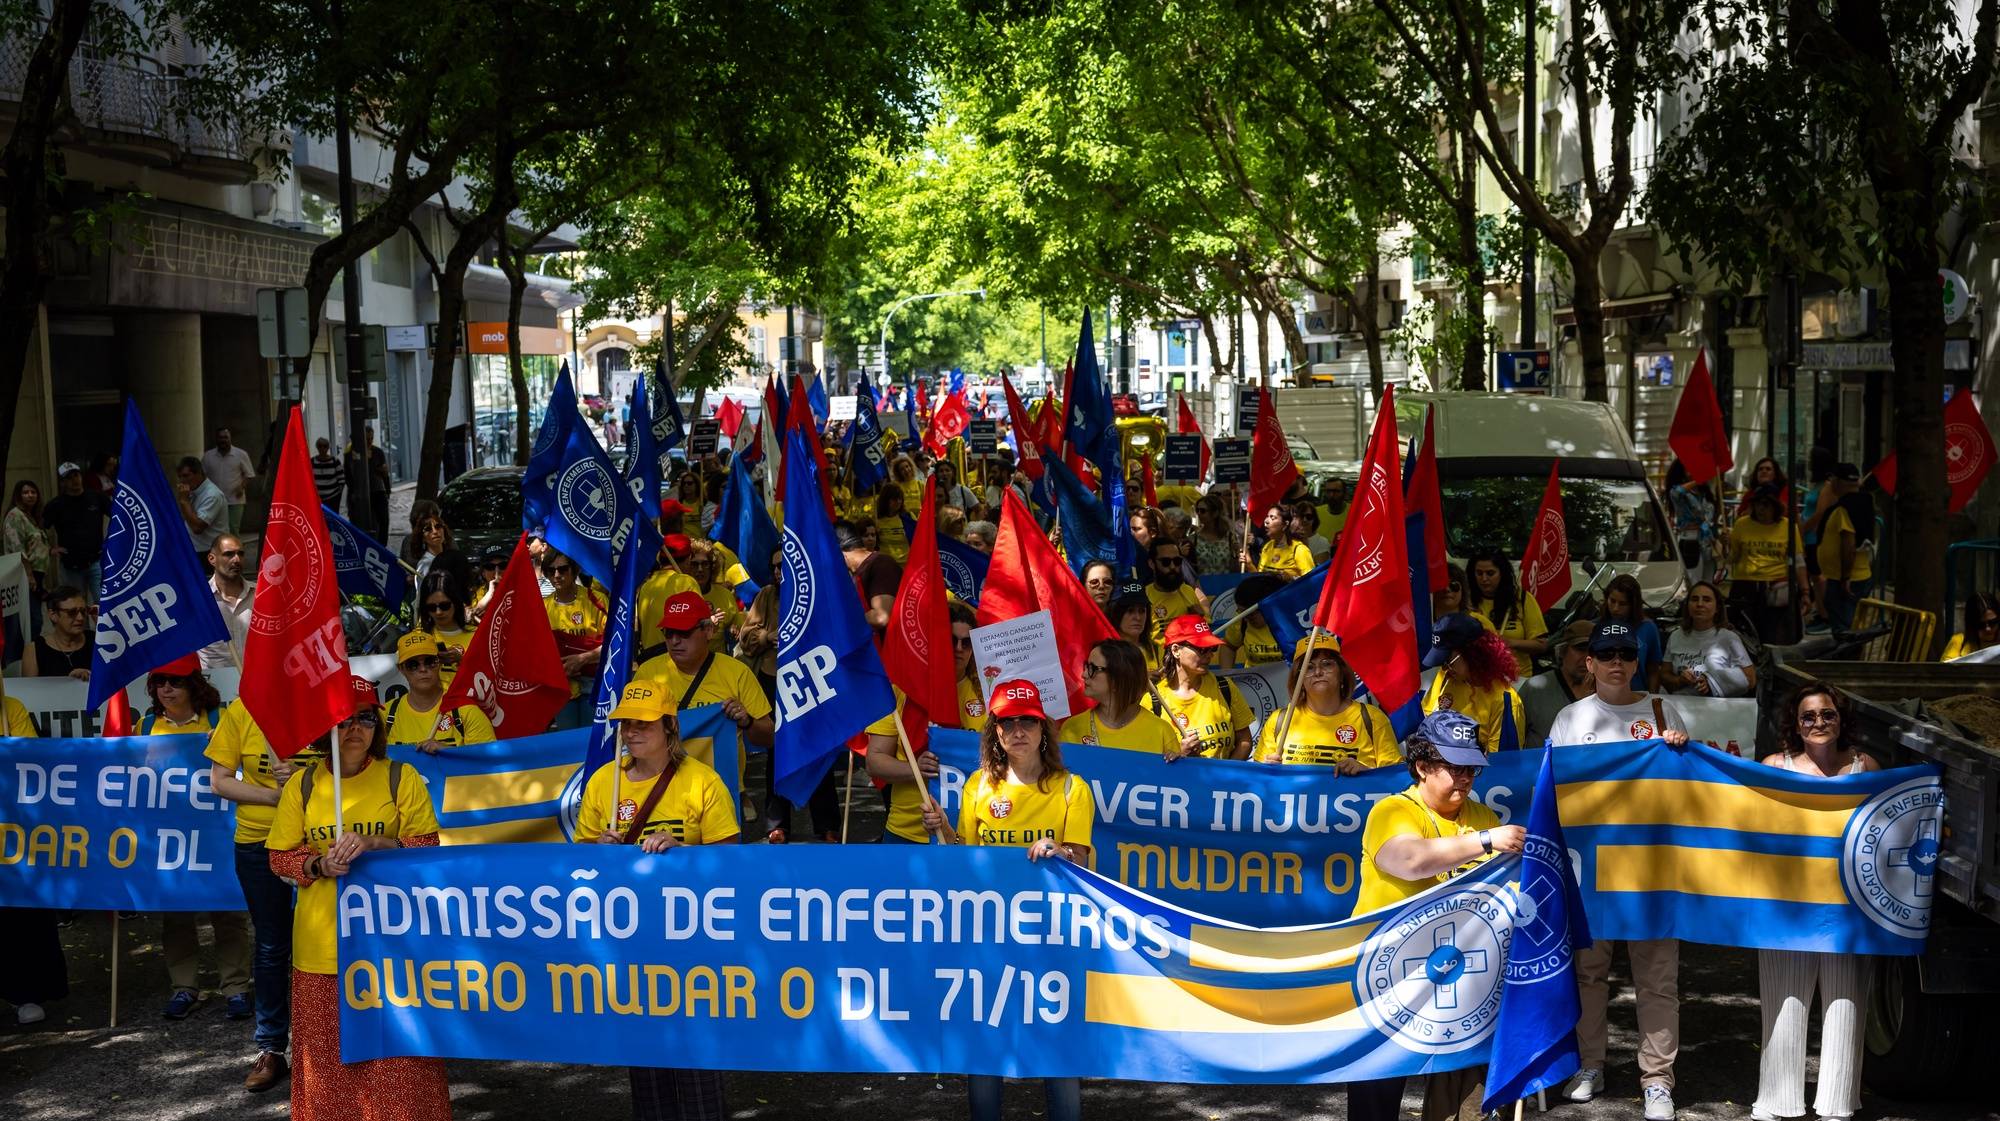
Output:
x=1275 y=951
x=1711 y=805
x=1719 y=872
x=536 y=830
x=1164 y=1004
x=464 y=793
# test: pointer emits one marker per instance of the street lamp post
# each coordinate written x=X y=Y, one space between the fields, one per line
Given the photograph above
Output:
x=898 y=306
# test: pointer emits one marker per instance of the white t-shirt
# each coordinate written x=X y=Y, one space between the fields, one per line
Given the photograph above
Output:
x=1718 y=654
x=1590 y=721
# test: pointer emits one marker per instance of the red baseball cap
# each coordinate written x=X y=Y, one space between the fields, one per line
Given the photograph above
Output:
x=672 y=508
x=185 y=666
x=685 y=611
x=1018 y=697
x=362 y=691
x=677 y=544
x=1191 y=629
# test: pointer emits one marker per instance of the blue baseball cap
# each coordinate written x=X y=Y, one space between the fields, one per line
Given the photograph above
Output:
x=1455 y=736
x=1613 y=634
x=1449 y=635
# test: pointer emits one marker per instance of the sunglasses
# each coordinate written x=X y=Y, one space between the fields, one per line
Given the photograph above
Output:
x=423 y=661
x=493 y=566
x=1816 y=717
x=72 y=611
x=438 y=607
x=361 y=720
x=172 y=681
x=1092 y=669
x=1460 y=770
x=560 y=569
x=1615 y=655
x=958 y=643
x=1988 y=624
x=1016 y=723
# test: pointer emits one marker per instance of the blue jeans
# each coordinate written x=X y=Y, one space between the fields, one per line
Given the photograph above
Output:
x=577 y=712
x=270 y=905
x=89 y=579
x=1840 y=605
x=984 y=1090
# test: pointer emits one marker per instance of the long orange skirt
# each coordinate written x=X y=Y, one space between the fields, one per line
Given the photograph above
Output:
x=326 y=1089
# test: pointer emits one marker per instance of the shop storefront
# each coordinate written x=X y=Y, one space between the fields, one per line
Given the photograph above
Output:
x=493 y=414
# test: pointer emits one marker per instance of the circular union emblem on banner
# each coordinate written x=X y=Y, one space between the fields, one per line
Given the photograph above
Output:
x=1429 y=977
x=588 y=499
x=290 y=570
x=798 y=589
x=133 y=532
x=1889 y=856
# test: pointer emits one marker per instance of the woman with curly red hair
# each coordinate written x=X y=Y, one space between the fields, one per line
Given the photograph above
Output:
x=1475 y=675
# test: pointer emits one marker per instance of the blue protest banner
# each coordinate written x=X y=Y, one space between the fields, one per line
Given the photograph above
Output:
x=896 y=959
x=869 y=460
x=363 y=565
x=642 y=453
x=592 y=515
x=669 y=427
x=127 y=824
x=830 y=679
x=154 y=605
x=742 y=523
x=545 y=461
x=964 y=568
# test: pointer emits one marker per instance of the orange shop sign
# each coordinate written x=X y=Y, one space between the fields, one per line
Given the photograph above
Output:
x=491 y=338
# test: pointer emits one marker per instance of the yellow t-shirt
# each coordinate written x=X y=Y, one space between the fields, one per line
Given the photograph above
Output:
x=729 y=570
x=1523 y=624
x=651 y=603
x=239 y=745
x=1206 y=712
x=1330 y=523
x=890 y=539
x=723 y=598
x=464 y=724
x=1144 y=732
x=1184 y=600
x=1958 y=647
x=696 y=808
x=1757 y=550
x=1016 y=815
x=1182 y=496
x=913 y=495
x=366 y=808
x=19 y=724
x=906 y=806
x=1294 y=560
x=200 y=725
x=1254 y=643
x=580 y=616
x=1487 y=706
x=726 y=680
x=1836 y=524
x=458 y=641
x=1359 y=731
x=1405 y=814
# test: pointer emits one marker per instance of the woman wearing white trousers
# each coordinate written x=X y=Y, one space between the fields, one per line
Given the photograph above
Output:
x=1818 y=741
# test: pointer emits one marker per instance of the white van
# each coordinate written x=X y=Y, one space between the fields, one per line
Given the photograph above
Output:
x=1494 y=451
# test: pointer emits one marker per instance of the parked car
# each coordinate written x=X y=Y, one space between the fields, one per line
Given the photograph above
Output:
x=483 y=507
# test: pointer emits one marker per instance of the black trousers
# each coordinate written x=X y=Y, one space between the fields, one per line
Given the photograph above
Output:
x=32 y=967
x=672 y=1094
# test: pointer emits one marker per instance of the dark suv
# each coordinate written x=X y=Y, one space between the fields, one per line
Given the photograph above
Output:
x=483 y=507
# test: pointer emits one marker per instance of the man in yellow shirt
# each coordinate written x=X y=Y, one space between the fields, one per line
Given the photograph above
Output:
x=696 y=675
x=1168 y=592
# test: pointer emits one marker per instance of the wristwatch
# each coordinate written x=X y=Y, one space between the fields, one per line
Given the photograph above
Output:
x=1486 y=840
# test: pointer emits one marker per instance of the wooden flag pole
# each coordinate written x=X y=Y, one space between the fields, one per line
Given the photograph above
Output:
x=949 y=835
x=847 y=798
x=1298 y=687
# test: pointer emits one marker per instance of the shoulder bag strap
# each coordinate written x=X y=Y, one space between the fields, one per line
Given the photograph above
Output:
x=638 y=826
x=700 y=675
x=1659 y=716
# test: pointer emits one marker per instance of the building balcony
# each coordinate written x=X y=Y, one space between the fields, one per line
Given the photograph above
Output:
x=127 y=108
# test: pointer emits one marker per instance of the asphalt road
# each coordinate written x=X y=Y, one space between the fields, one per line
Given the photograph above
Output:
x=75 y=1066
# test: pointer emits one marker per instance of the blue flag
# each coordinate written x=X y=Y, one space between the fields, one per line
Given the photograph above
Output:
x=742 y=523
x=816 y=400
x=1126 y=560
x=869 y=459
x=957 y=381
x=964 y=568
x=669 y=428
x=614 y=668
x=1534 y=1037
x=589 y=509
x=642 y=453
x=830 y=679
x=155 y=604
x=363 y=565
x=538 y=485
x=1089 y=428
x=1087 y=533
x=1288 y=611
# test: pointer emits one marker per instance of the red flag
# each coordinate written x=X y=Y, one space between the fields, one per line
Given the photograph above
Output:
x=916 y=650
x=1366 y=597
x=923 y=400
x=1421 y=495
x=1027 y=576
x=771 y=430
x=1026 y=436
x=513 y=669
x=729 y=417
x=1186 y=425
x=1272 y=471
x=295 y=675
x=1146 y=486
x=1968 y=452
x=1698 y=435
x=118 y=716
x=948 y=423
x=1545 y=566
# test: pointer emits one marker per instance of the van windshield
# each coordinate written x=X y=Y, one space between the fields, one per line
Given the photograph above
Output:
x=1606 y=519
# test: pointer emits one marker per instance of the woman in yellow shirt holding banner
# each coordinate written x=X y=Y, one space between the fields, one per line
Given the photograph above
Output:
x=1023 y=798
x=1212 y=717
x=312 y=843
x=885 y=762
x=1413 y=841
x=1115 y=676
x=1328 y=726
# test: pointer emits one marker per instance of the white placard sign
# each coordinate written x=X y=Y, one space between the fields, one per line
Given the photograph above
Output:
x=1022 y=648
x=843 y=408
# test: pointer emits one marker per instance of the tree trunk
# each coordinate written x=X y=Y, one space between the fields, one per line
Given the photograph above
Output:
x=1916 y=324
x=1589 y=306
x=33 y=165
x=517 y=288
x=1263 y=346
x=1472 y=361
x=451 y=309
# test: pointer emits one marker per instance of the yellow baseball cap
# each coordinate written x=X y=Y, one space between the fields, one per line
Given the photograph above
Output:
x=1324 y=641
x=645 y=699
x=416 y=644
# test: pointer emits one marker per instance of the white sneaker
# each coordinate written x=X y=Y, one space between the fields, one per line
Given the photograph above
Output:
x=29 y=1014
x=1759 y=1113
x=1588 y=1083
x=1659 y=1103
